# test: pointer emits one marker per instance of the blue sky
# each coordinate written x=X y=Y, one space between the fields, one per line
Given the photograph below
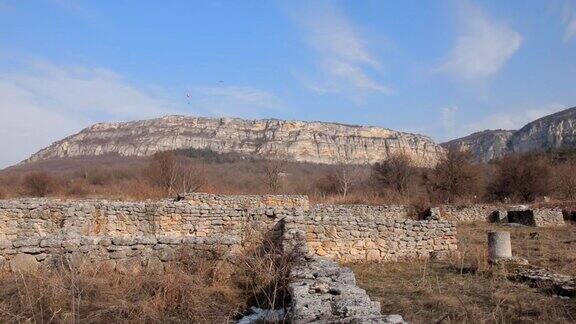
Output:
x=439 y=68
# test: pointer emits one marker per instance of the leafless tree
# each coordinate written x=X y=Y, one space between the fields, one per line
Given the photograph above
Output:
x=346 y=177
x=175 y=174
x=273 y=171
x=38 y=184
x=457 y=176
x=397 y=172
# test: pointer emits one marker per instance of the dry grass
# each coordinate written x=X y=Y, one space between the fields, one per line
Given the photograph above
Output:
x=201 y=293
x=466 y=290
x=200 y=288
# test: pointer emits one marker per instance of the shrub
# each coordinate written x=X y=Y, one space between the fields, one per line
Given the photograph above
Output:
x=273 y=171
x=521 y=177
x=38 y=184
x=396 y=173
x=565 y=180
x=175 y=174
x=456 y=176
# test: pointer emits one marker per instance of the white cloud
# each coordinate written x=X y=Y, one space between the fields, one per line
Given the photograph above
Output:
x=570 y=29
x=513 y=120
x=483 y=46
x=234 y=101
x=568 y=15
x=449 y=120
x=343 y=56
x=41 y=103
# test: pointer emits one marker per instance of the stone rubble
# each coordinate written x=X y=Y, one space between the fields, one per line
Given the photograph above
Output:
x=323 y=292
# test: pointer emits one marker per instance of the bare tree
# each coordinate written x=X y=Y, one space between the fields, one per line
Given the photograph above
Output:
x=522 y=177
x=346 y=176
x=175 y=174
x=38 y=184
x=397 y=172
x=457 y=176
x=565 y=175
x=273 y=171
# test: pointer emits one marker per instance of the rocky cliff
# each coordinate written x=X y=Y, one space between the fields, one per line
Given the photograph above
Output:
x=316 y=142
x=484 y=145
x=553 y=131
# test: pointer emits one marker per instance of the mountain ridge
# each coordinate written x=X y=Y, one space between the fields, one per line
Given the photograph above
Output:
x=304 y=141
x=557 y=130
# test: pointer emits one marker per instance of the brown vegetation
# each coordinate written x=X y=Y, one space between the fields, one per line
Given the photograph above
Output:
x=456 y=179
x=38 y=184
x=467 y=290
x=200 y=288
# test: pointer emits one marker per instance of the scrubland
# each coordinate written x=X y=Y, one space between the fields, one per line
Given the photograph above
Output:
x=466 y=289
x=201 y=287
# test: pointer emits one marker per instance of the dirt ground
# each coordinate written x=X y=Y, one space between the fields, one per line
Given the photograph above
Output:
x=466 y=290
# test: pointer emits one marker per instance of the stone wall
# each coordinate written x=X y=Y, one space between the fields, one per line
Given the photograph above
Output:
x=538 y=217
x=349 y=238
x=464 y=213
x=360 y=211
x=46 y=229
x=197 y=215
x=154 y=230
x=323 y=292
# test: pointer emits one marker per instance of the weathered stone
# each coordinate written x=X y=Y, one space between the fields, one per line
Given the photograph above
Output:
x=23 y=263
x=265 y=138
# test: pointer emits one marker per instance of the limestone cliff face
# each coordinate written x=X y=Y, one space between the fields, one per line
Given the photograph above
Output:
x=549 y=132
x=485 y=145
x=270 y=138
x=552 y=131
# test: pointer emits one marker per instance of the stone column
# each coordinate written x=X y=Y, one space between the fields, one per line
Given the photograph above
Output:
x=499 y=246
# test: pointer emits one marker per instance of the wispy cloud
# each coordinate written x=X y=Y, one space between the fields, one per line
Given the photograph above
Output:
x=343 y=55
x=42 y=102
x=449 y=120
x=483 y=46
x=234 y=101
x=568 y=15
x=512 y=120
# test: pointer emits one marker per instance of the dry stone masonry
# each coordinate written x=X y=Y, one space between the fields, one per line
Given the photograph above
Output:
x=153 y=231
x=537 y=217
x=323 y=292
x=130 y=236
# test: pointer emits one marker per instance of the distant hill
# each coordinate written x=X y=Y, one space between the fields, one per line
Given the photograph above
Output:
x=550 y=132
x=316 y=142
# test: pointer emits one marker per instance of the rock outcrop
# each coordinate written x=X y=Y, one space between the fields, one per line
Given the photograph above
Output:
x=316 y=142
x=485 y=145
x=553 y=131
x=550 y=132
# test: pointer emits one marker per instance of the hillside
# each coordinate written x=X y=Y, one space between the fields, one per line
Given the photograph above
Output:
x=554 y=131
x=316 y=142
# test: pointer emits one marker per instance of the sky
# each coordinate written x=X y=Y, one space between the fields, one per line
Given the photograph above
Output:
x=442 y=68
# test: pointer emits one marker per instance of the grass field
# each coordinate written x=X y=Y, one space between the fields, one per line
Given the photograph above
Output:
x=467 y=290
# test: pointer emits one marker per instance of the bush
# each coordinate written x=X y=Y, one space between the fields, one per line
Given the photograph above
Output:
x=565 y=180
x=396 y=173
x=521 y=177
x=38 y=184
x=175 y=174
x=456 y=176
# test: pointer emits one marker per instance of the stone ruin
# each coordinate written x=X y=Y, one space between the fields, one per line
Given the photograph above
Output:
x=38 y=232
x=535 y=217
x=519 y=269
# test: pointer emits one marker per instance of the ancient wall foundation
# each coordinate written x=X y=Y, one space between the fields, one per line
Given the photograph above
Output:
x=154 y=231
x=464 y=213
x=539 y=217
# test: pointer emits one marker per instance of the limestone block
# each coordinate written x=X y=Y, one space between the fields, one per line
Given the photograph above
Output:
x=23 y=263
